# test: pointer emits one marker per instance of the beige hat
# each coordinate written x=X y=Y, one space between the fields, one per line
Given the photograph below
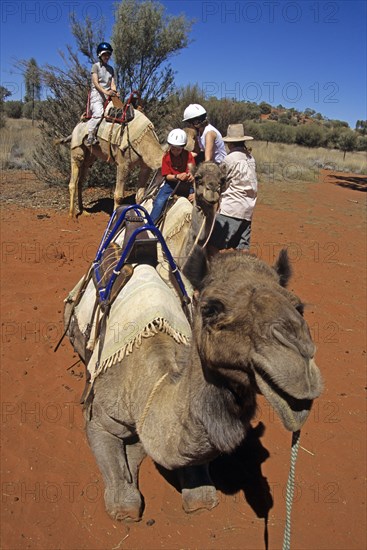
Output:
x=235 y=132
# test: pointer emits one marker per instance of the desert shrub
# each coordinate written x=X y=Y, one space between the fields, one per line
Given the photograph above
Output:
x=32 y=110
x=309 y=136
x=362 y=143
x=347 y=141
x=13 y=109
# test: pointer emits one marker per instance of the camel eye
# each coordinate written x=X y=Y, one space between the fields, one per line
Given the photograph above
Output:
x=211 y=310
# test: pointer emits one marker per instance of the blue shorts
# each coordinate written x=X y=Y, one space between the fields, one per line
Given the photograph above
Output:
x=230 y=232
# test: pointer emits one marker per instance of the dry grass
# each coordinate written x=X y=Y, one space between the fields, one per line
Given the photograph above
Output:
x=276 y=162
x=17 y=143
x=282 y=162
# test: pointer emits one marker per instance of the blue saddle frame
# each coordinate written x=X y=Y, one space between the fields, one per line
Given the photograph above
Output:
x=105 y=291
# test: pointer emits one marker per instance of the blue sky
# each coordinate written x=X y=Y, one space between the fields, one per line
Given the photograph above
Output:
x=304 y=53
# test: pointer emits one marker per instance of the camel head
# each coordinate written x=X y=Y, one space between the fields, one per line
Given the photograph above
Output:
x=250 y=332
x=209 y=183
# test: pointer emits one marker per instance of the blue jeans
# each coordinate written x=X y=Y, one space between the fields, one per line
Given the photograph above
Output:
x=162 y=197
x=229 y=232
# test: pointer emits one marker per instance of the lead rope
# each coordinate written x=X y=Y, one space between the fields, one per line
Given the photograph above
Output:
x=140 y=422
x=290 y=490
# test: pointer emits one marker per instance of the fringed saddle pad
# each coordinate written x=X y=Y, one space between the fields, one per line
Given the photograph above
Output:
x=144 y=307
x=115 y=133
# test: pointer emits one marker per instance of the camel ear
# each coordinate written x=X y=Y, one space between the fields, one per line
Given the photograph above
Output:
x=283 y=267
x=196 y=268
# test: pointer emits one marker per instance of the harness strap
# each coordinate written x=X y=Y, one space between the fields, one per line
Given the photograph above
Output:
x=83 y=286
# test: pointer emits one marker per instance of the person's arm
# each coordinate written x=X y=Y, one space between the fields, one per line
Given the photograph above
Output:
x=209 y=145
x=99 y=87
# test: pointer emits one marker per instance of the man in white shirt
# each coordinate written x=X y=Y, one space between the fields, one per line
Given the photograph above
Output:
x=232 y=227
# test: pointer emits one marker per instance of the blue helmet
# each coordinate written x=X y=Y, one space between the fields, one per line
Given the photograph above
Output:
x=104 y=47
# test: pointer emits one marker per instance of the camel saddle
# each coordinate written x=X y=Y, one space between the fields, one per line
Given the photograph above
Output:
x=143 y=251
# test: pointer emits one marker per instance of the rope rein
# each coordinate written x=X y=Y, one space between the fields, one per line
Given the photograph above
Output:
x=290 y=490
x=140 y=422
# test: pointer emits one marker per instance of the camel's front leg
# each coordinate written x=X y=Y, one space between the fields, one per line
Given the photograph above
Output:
x=142 y=182
x=75 y=183
x=198 y=491
x=122 y=171
x=119 y=464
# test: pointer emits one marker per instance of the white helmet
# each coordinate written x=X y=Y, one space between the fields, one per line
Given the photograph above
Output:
x=177 y=137
x=194 y=110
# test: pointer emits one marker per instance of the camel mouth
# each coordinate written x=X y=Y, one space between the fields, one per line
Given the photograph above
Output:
x=212 y=202
x=292 y=411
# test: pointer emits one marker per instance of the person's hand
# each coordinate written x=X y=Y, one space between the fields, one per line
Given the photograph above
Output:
x=182 y=177
x=190 y=178
x=191 y=197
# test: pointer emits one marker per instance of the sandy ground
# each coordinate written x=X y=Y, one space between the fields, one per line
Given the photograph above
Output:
x=52 y=494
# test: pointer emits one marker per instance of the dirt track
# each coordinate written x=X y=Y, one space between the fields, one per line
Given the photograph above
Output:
x=52 y=495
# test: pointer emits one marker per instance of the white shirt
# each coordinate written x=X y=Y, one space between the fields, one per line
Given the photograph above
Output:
x=219 y=147
x=239 y=199
x=105 y=74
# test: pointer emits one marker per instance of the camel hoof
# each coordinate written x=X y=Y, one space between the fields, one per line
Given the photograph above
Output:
x=125 y=514
x=200 y=498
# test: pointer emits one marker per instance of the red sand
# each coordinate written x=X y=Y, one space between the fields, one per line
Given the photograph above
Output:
x=52 y=492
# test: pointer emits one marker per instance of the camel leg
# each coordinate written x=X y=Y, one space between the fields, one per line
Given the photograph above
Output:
x=81 y=161
x=74 y=181
x=122 y=171
x=119 y=466
x=83 y=171
x=198 y=491
x=142 y=182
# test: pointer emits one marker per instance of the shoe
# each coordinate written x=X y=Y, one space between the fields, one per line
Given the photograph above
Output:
x=91 y=140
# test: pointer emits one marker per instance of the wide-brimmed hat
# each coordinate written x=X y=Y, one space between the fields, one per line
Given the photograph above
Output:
x=235 y=132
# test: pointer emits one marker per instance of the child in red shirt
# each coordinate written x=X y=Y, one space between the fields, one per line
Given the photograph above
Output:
x=177 y=165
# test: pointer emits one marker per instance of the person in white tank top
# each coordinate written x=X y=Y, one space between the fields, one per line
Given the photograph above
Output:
x=209 y=138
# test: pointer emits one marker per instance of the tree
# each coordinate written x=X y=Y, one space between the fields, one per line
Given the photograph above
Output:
x=4 y=93
x=265 y=108
x=145 y=38
x=13 y=109
x=347 y=141
x=309 y=136
x=309 y=112
x=361 y=127
x=32 y=79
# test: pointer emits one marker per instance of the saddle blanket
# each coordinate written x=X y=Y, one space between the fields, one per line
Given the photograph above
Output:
x=117 y=134
x=144 y=307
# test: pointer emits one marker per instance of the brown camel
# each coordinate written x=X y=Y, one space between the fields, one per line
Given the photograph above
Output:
x=126 y=145
x=183 y=402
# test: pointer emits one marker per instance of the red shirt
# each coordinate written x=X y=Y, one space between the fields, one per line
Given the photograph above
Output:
x=176 y=165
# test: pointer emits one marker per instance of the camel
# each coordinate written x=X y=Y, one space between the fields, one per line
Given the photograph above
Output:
x=184 y=401
x=126 y=145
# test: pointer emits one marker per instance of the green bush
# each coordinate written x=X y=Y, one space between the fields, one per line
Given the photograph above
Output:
x=13 y=109
x=27 y=110
x=310 y=136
